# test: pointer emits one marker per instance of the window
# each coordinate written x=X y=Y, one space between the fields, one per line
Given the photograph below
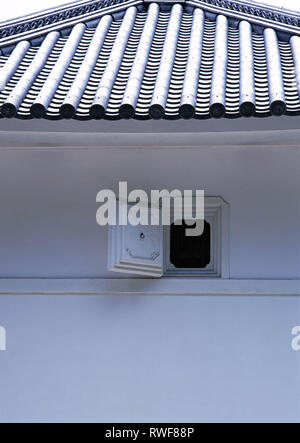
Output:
x=189 y=252
x=164 y=251
x=211 y=247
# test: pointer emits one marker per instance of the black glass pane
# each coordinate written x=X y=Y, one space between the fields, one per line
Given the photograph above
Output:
x=189 y=252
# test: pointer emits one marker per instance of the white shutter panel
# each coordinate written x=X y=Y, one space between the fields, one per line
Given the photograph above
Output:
x=136 y=250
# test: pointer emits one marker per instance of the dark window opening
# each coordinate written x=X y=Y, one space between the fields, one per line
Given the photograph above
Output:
x=189 y=252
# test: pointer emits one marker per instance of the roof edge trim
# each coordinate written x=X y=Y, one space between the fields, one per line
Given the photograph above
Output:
x=36 y=25
x=257 y=13
x=42 y=22
x=43 y=12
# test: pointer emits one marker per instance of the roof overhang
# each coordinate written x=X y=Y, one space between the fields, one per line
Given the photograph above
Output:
x=159 y=59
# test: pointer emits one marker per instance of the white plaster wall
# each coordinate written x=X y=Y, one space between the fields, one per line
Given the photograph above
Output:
x=147 y=358
x=47 y=198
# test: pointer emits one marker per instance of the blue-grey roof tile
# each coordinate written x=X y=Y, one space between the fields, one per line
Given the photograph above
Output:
x=152 y=62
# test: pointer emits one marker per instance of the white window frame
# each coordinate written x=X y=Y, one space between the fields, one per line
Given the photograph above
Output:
x=216 y=213
x=126 y=254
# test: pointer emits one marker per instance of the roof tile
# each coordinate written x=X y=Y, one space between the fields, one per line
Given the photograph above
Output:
x=153 y=63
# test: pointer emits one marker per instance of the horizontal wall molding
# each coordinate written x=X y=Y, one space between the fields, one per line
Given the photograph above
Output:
x=70 y=140
x=163 y=286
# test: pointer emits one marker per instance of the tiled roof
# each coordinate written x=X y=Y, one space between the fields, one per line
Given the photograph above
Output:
x=154 y=61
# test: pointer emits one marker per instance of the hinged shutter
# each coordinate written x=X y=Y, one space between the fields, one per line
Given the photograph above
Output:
x=136 y=250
